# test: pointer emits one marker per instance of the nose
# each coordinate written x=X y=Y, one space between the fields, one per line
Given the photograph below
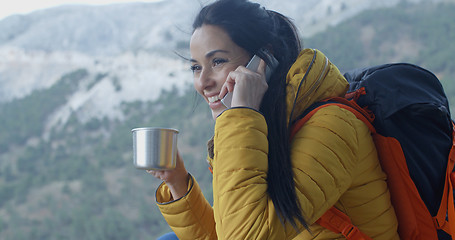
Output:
x=204 y=79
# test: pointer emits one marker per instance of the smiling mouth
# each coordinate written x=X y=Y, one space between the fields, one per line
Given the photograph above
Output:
x=213 y=99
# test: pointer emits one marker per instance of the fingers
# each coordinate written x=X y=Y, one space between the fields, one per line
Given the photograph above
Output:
x=171 y=175
x=228 y=85
x=224 y=91
x=240 y=72
x=249 y=86
x=262 y=67
x=156 y=173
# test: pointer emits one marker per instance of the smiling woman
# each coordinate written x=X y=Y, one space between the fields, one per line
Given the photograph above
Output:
x=264 y=185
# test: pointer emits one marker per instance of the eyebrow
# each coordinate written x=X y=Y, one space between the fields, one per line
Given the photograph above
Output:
x=211 y=53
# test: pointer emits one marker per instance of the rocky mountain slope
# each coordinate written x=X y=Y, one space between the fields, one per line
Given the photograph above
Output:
x=132 y=44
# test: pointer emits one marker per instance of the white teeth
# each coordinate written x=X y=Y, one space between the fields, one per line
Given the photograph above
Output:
x=213 y=99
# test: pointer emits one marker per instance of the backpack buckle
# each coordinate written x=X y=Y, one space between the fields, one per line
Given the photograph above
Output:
x=436 y=223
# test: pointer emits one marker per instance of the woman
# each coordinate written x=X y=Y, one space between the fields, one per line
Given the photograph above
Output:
x=266 y=186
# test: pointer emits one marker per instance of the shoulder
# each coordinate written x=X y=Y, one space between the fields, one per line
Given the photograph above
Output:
x=331 y=119
x=331 y=132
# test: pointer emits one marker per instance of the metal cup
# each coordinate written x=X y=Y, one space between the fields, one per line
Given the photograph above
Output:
x=155 y=148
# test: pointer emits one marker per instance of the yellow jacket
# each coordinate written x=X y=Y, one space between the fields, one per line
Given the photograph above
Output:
x=334 y=162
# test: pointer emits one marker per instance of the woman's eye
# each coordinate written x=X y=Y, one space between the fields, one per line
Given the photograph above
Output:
x=218 y=61
x=195 y=68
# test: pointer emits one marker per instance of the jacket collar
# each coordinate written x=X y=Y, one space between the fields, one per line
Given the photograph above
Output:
x=310 y=79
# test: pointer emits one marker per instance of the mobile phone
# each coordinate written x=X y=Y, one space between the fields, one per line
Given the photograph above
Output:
x=253 y=65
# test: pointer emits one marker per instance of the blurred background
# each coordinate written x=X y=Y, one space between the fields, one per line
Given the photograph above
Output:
x=76 y=78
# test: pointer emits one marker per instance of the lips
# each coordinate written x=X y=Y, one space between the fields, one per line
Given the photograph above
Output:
x=214 y=101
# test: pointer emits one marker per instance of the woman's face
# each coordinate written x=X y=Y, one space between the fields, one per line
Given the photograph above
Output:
x=213 y=56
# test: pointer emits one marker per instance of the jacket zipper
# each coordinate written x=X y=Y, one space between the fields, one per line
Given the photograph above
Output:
x=318 y=82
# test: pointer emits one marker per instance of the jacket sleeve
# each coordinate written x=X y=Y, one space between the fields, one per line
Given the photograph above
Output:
x=322 y=156
x=242 y=207
x=190 y=217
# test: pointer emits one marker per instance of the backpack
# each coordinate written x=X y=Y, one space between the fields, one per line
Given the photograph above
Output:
x=408 y=114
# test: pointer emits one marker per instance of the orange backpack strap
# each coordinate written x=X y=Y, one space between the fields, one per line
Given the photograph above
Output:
x=338 y=222
x=350 y=105
x=415 y=221
x=445 y=219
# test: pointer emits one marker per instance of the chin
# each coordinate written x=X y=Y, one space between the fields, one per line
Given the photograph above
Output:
x=215 y=114
x=217 y=111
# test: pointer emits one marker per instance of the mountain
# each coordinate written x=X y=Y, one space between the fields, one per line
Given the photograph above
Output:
x=160 y=26
x=74 y=81
x=51 y=42
x=99 y=30
x=420 y=34
x=132 y=42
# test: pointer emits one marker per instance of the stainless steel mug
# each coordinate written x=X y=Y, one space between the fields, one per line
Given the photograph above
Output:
x=155 y=148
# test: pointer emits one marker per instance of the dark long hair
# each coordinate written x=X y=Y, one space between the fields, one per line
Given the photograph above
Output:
x=252 y=27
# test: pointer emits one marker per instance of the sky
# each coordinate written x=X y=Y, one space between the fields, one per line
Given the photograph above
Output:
x=8 y=8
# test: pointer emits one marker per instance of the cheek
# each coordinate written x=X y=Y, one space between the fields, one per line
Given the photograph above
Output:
x=222 y=75
x=197 y=85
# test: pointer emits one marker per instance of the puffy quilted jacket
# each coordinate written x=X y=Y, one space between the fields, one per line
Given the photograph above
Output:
x=334 y=162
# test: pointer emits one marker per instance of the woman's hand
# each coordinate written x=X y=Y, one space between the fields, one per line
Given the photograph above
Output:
x=176 y=179
x=248 y=87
